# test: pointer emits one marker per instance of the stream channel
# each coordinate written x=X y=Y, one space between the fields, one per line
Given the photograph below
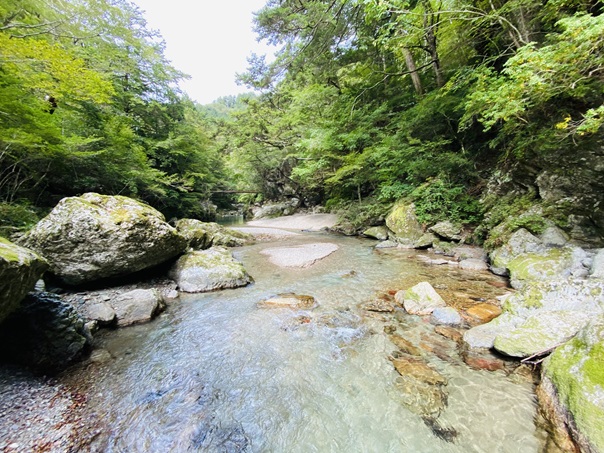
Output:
x=216 y=373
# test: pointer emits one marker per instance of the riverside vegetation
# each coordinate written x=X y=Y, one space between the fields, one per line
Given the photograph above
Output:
x=432 y=122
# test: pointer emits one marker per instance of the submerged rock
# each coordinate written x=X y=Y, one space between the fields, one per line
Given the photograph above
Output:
x=576 y=371
x=421 y=299
x=95 y=236
x=420 y=386
x=45 y=333
x=208 y=270
x=20 y=269
x=483 y=313
x=404 y=345
x=289 y=300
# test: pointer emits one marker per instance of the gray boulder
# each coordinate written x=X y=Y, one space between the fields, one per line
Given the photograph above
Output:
x=208 y=270
x=277 y=209
x=553 y=236
x=45 y=333
x=95 y=236
x=20 y=269
x=597 y=266
x=521 y=242
x=137 y=306
x=445 y=315
x=446 y=230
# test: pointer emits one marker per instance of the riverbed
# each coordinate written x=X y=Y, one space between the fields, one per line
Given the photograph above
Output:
x=217 y=373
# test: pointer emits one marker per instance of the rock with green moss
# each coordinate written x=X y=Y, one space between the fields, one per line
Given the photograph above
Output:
x=484 y=336
x=541 y=332
x=446 y=230
x=403 y=222
x=520 y=243
x=551 y=264
x=208 y=270
x=576 y=372
x=95 y=236
x=420 y=299
x=379 y=232
x=20 y=268
x=203 y=235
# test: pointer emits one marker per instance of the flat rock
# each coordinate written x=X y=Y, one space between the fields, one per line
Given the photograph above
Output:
x=289 y=300
x=404 y=345
x=483 y=313
x=473 y=264
x=378 y=305
x=445 y=315
x=102 y=312
x=307 y=222
x=299 y=255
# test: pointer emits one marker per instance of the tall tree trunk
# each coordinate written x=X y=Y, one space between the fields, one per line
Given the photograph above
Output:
x=410 y=62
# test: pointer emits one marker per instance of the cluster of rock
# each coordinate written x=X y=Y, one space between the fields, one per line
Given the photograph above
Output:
x=270 y=210
x=555 y=316
x=94 y=238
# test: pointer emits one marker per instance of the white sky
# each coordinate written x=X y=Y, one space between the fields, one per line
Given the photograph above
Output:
x=208 y=39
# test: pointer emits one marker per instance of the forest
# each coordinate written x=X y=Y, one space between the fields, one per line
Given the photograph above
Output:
x=367 y=102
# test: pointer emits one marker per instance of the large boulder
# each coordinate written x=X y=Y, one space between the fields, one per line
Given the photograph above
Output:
x=270 y=210
x=521 y=242
x=95 y=236
x=45 y=333
x=446 y=230
x=377 y=232
x=403 y=222
x=203 y=235
x=540 y=317
x=551 y=264
x=20 y=268
x=573 y=381
x=208 y=270
x=420 y=299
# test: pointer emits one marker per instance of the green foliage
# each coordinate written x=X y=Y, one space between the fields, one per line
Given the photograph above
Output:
x=438 y=200
x=16 y=217
x=359 y=215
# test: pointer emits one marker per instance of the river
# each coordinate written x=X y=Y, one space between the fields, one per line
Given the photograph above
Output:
x=216 y=373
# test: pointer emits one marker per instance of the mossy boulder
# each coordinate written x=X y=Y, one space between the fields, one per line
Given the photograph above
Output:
x=208 y=270
x=576 y=371
x=541 y=332
x=20 y=268
x=95 y=236
x=446 y=230
x=203 y=235
x=551 y=264
x=403 y=222
x=520 y=243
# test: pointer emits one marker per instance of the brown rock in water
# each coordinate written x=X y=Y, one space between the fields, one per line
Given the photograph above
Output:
x=449 y=332
x=483 y=313
x=418 y=369
x=289 y=300
x=378 y=305
x=479 y=360
x=404 y=345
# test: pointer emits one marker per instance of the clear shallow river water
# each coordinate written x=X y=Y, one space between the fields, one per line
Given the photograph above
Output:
x=215 y=373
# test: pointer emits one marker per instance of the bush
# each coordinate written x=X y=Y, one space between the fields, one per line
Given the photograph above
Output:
x=15 y=218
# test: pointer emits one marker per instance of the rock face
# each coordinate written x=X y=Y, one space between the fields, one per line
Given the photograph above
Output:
x=20 y=269
x=208 y=270
x=94 y=236
x=203 y=235
x=277 y=209
x=45 y=333
x=138 y=306
x=577 y=372
x=421 y=299
x=403 y=222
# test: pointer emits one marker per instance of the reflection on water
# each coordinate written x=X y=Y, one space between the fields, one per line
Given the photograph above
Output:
x=217 y=373
x=230 y=220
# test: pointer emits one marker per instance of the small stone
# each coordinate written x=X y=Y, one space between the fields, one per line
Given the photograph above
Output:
x=421 y=299
x=483 y=313
x=449 y=332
